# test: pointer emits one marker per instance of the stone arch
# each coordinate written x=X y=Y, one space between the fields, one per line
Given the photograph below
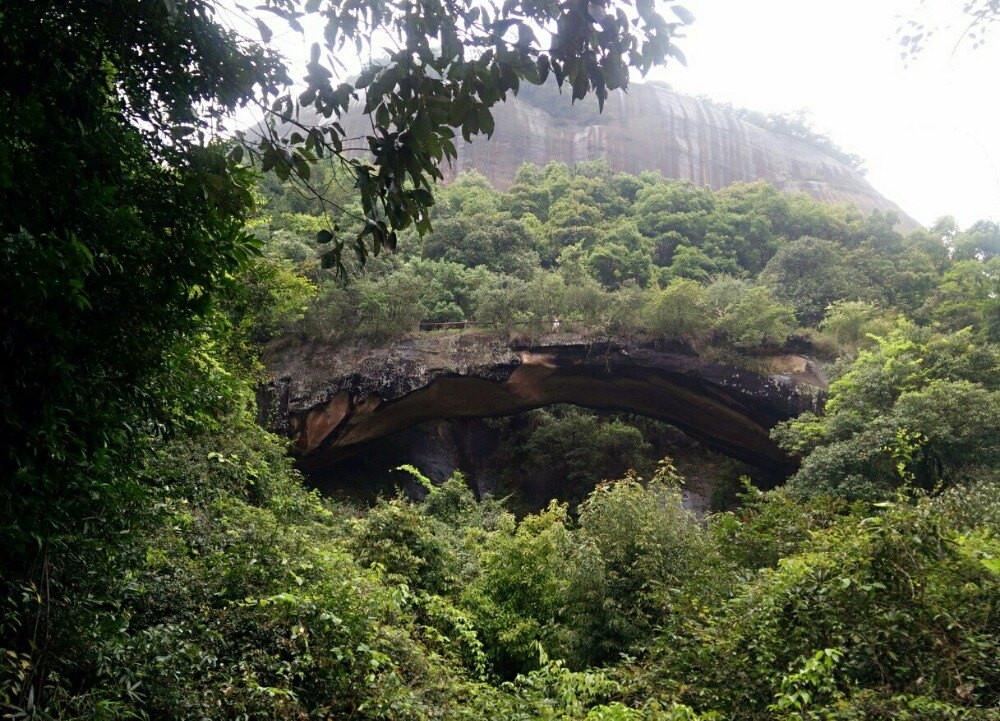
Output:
x=727 y=407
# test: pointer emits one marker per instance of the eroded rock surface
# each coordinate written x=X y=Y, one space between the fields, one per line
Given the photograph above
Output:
x=333 y=402
x=654 y=128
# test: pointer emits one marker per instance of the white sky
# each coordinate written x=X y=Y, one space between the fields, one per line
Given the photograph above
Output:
x=928 y=131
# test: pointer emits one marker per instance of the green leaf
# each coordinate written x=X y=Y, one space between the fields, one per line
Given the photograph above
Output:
x=265 y=31
x=580 y=84
x=486 y=122
x=686 y=16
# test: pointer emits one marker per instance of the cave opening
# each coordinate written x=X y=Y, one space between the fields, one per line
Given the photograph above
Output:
x=557 y=452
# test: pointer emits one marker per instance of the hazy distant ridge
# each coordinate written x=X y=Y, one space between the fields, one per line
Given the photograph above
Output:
x=654 y=128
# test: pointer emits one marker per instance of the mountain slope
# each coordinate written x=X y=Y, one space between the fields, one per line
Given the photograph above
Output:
x=654 y=128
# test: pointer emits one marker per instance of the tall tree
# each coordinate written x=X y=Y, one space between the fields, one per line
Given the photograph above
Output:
x=123 y=214
x=449 y=65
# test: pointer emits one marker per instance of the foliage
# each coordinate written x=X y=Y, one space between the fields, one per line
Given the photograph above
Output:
x=131 y=308
x=563 y=452
x=122 y=218
x=873 y=590
x=249 y=593
x=979 y=18
x=811 y=274
x=678 y=311
x=163 y=559
x=919 y=408
x=756 y=319
x=651 y=547
x=452 y=64
x=966 y=296
x=491 y=263
x=854 y=324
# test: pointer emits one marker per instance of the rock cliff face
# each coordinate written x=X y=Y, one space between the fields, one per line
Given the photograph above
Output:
x=331 y=403
x=653 y=128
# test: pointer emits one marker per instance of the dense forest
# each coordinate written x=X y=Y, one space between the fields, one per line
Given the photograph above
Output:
x=734 y=273
x=163 y=558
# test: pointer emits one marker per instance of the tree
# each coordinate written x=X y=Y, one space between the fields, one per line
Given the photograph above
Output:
x=612 y=264
x=693 y=263
x=124 y=214
x=811 y=274
x=451 y=65
x=854 y=324
x=528 y=195
x=678 y=311
x=122 y=219
x=650 y=544
x=573 y=219
x=919 y=408
x=573 y=449
x=501 y=302
x=980 y=242
x=673 y=213
x=980 y=16
x=448 y=289
x=389 y=305
x=756 y=319
x=965 y=296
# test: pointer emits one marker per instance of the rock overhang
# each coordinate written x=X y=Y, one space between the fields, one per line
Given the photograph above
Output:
x=332 y=405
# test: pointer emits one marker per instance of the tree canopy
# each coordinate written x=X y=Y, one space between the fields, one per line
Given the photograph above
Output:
x=160 y=555
x=447 y=65
x=125 y=203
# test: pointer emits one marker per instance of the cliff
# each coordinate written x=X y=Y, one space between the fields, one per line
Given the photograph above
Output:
x=654 y=128
x=332 y=401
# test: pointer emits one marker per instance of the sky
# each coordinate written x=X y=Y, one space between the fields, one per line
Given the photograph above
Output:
x=927 y=127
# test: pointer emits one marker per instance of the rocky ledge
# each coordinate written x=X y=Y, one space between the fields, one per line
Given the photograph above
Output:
x=331 y=402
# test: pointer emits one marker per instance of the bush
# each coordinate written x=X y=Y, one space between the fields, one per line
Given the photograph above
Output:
x=810 y=274
x=650 y=546
x=534 y=574
x=893 y=605
x=918 y=409
x=565 y=451
x=756 y=320
x=395 y=537
x=678 y=311
x=501 y=302
x=245 y=602
x=850 y=324
x=388 y=306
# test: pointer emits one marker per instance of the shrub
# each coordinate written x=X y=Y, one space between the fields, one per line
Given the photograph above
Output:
x=810 y=274
x=678 y=311
x=917 y=409
x=649 y=546
x=903 y=600
x=397 y=538
x=534 y=574
x=756 y=320
x=850 y=324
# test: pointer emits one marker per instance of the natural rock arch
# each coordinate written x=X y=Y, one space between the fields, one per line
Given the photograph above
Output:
x=333 y=402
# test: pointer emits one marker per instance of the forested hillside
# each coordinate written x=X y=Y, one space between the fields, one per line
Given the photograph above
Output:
x=733 y=273
x=654 y=128
x=161 y=557
x=608 y=251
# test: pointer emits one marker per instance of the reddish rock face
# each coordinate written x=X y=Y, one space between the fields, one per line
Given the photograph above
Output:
x=653 y=128
x=390 y=389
